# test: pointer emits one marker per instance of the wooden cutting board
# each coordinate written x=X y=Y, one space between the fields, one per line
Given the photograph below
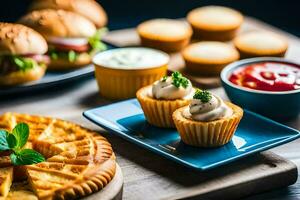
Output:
x=129 y=37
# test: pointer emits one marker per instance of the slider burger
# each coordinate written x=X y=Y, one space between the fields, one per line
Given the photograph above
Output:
x=72 y=39
x=21 y=54
x=87 y=8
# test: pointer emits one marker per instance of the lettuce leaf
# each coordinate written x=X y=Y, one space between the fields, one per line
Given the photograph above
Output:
x=71 y=56
x=95 y=41
x=23 y=63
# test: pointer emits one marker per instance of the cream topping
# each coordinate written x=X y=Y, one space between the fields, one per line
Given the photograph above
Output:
x=214 y=109
x=131 y=58
x=164 y=89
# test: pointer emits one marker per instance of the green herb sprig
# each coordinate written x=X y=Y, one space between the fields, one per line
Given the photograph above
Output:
x=179 y=80
x=15 y=141
x=202 y=95
x=164 y=79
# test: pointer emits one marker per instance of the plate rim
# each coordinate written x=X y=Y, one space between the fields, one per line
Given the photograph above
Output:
x=88 y=114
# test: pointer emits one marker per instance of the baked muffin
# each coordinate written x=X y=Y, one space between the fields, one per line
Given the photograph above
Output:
x=208 y=58
x=257 y=44
x=165 y=34
x=161 y=99
x=215 y=23
x=207 y=121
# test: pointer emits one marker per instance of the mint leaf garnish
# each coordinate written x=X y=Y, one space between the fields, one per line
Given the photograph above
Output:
x=3 y=141
x=15 y=141
x=202 y=95
x=11 y=141
x=26 y=157
x=179 y=80
x=21 y=133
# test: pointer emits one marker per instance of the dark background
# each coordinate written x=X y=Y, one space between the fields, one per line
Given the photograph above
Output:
x=284 y=14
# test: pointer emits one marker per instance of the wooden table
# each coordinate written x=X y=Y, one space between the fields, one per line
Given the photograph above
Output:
x=69 y=101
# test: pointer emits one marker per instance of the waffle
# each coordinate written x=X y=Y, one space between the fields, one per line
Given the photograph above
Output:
x=78 y=161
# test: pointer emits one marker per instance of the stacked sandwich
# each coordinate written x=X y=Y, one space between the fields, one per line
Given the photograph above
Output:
x=54 y=35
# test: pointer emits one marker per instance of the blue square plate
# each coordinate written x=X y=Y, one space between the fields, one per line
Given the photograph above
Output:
x=254 y=134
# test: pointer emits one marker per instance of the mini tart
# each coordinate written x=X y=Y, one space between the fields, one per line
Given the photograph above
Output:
x=209 y=58
x=165 y=34
x=215 y=23
x=257 y=44
x=207 y=134
x=122 y=82
x=159 y=112
x=79 y=162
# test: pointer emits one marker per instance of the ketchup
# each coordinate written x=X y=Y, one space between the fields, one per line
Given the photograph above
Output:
x=267 y=76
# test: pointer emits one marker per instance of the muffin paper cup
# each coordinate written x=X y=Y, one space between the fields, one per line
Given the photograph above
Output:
x=207 y=134
x=168 y=46
x=159 y=112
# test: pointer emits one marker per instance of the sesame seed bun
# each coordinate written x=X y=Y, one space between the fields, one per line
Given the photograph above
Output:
x=59 y=23
x=87 y=8
x=16 y=39
x=21 y=77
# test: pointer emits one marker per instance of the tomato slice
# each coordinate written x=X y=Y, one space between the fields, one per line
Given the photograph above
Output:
x=68 y=47
x=38 y=58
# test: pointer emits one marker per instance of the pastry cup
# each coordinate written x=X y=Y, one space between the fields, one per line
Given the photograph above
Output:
x=159 y=112
x=207 y=134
